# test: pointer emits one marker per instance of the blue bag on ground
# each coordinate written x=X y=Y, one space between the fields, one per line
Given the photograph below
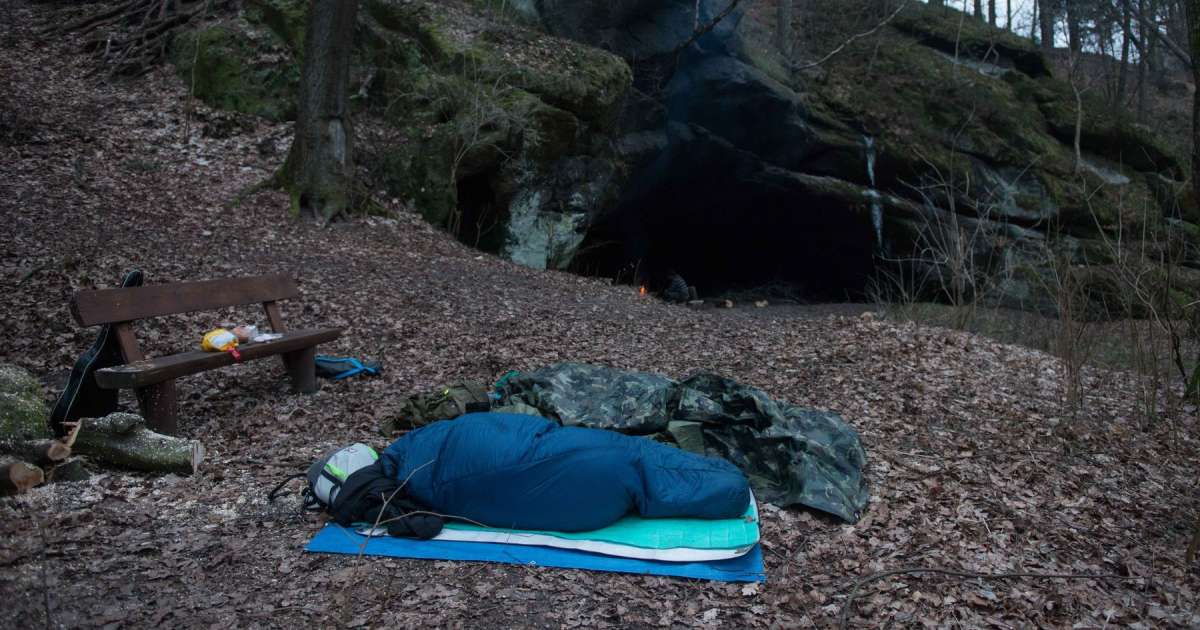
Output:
x=338 y=368
x=526 y=472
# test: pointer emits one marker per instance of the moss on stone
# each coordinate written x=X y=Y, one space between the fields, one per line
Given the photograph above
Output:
x=1104 y=132
x=951 y=31
x=218 y=64
x=418 y=20
x=23 y=415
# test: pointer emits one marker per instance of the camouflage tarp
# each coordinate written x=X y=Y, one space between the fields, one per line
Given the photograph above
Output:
x=575 y=394
x=791 y=455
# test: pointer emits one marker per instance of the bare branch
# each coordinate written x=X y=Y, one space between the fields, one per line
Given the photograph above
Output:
x=701 y=31
x=1175 y=48
x=853 y=39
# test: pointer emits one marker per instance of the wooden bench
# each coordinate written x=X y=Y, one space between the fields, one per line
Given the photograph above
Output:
x=154 y=378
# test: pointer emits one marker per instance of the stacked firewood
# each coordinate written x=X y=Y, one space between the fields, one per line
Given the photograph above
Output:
x=32 y=463
x=120 y=439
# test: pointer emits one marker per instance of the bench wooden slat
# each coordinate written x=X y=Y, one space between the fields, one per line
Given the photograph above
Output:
x=103 y=306
x=150 y=371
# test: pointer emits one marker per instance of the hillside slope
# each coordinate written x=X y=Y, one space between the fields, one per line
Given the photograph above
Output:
x=974 y=468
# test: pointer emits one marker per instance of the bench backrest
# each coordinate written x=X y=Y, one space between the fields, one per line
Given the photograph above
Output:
x=105 y=306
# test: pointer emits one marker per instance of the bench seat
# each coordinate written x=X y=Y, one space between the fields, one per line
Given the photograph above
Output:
x=159 y=369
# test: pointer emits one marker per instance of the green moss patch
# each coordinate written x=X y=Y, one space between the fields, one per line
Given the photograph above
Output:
x=227 y=70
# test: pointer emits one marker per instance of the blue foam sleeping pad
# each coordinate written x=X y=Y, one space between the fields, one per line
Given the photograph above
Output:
x=526 y=472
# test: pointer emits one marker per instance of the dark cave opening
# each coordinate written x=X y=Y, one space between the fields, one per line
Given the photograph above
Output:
x=738 y=238
x=479 y=219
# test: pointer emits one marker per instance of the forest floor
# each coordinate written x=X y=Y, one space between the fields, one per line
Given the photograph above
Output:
x=976 y=467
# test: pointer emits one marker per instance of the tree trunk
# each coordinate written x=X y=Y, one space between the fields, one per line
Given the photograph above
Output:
x=124 y=440
x=1192 y=14
x=1192 y=8
x=1008 y=16
x=1048 y=16
x=992 y=12
x=1033 y=23
x=783 y=28
x=1177 y=24
x=319 y=172
x=1074 y=28
x=1154 y=61
x=1126 y=37
x=979 y=10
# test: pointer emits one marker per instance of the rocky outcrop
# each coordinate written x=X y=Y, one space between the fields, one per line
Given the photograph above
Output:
x=494 y=130
x=714 y=160
x=946 y=130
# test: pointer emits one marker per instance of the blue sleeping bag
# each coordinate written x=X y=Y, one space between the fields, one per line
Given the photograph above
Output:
x=526 y=472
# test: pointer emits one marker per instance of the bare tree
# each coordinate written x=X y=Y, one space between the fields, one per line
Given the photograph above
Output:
x=1048 y=15
x=1193 y=19
x=319 y=172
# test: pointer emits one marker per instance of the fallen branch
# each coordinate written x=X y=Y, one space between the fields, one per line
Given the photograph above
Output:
x=700 y=31
x=847 y=607
x=17 y=477
x=130 y=37
x=124 y=440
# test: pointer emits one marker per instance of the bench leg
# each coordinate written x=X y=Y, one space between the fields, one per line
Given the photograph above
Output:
x=159 y=407
x=302 y=367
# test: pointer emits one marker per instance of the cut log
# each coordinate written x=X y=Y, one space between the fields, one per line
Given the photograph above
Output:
x=123 y=439
x=17 y=477
x=40 y=453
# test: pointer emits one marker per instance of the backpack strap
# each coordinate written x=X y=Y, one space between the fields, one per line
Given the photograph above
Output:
x=310 y=500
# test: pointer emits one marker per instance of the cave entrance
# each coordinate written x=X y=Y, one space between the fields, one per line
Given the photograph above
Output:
x=739 y=239
x=480 y=221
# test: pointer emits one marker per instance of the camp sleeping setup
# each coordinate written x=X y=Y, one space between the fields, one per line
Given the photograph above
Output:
x=569 y=497
x=722 y=549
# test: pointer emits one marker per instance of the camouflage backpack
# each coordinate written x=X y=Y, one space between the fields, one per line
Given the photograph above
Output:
x=443 y=403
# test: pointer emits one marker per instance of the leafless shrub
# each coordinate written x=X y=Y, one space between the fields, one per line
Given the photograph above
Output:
x=954 y=258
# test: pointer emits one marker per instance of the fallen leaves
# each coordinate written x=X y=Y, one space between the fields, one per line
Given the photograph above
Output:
x=967 y=472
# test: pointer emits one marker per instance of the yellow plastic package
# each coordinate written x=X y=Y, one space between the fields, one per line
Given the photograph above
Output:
x=221 y=340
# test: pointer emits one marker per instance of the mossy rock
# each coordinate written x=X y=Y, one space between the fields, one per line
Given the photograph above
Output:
x=1104 y=132
x=1001 y=141
x=226 y=69
x=587 y=82
x=23 y=415
x=949 y=30
x=1175 y=198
